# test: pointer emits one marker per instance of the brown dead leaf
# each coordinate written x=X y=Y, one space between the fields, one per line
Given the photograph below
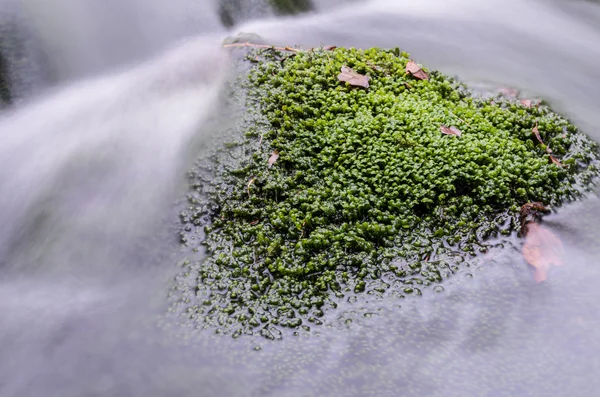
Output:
x=273 y=158
x=416 y=71
x=353 y=78
x=536 y=132
x=542 y=248
x=254 y=222
x=450 y=130
x=527 y=103
x=530 y=209
x=555 y=161
x=329 y=47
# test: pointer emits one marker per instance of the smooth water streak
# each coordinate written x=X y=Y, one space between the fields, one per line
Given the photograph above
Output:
x=85 y=170
x=88 y=171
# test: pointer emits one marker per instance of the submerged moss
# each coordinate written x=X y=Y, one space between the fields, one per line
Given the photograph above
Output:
x=367 y=195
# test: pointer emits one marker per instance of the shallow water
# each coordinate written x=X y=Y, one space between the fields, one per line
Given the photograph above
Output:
x=91 y=165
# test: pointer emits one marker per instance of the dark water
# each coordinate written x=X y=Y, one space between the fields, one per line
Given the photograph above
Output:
x=93 y=158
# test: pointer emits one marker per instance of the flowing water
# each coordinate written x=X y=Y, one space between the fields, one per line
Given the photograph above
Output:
x=93 y=158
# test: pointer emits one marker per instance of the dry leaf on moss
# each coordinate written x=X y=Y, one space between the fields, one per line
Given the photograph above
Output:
x=273 y=158
x=450 y=130
x=353 y=78
x=536 y=132
x=555 y=161
x=416 y=71
x=530 y=209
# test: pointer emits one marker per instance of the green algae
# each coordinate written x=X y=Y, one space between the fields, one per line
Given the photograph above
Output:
x=367 y=197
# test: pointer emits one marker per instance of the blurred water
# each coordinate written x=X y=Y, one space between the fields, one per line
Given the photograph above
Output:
x=89 y=171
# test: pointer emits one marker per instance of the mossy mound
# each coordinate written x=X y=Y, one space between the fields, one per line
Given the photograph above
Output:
x=367 y=196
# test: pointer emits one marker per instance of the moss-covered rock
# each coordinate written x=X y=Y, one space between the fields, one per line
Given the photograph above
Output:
x=367 y=196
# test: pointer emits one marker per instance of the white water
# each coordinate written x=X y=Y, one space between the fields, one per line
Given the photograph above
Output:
x=94 y=161
x=88 y=171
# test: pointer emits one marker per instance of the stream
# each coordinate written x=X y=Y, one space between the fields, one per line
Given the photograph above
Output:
x=112 y=101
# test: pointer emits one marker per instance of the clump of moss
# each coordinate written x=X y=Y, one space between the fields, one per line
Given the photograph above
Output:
x=367 y=195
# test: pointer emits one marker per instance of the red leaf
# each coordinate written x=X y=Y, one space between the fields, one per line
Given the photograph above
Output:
x=450 y=130
x=273 y=158
x=416 y=71
x=542 y=248
x=353 y=78
x=254 y=222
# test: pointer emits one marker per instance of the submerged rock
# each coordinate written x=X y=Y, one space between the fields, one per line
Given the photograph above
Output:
x=231 y=12
x=373 y=193
x=24 y=69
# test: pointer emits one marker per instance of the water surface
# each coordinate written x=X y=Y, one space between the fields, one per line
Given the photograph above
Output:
x=93 y=160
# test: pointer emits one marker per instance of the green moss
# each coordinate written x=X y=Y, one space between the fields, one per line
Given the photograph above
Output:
x=367 y=195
